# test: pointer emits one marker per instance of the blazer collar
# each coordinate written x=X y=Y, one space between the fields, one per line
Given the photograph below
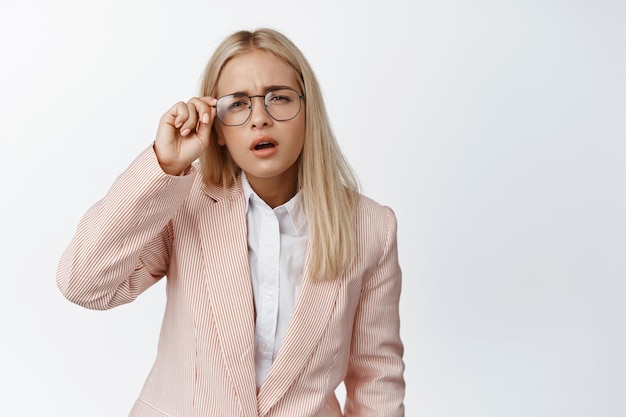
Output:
x=224 y=244
x=220 y=193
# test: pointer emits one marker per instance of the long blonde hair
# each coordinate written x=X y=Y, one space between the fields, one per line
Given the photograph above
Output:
x=326 y=181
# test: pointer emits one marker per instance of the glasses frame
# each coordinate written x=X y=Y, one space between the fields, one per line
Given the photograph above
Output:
x=265 y=105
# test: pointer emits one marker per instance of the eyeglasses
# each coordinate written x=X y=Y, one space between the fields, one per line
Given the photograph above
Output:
x=282 y=105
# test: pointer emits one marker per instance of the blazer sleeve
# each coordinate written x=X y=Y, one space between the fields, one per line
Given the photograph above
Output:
x=374 y=382
x=122 y=244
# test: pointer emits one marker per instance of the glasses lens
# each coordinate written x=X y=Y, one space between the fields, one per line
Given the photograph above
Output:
x=233 y=110
x=283 y=104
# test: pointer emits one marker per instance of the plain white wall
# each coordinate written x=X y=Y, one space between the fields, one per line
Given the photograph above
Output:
x=495 y=130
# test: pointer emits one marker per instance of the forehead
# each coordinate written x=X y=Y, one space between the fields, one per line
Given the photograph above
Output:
x=254 y=71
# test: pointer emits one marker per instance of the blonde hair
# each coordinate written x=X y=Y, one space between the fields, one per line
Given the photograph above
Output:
x=326 y=181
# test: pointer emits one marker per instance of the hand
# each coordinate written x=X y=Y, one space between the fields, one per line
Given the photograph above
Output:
x=183 y=134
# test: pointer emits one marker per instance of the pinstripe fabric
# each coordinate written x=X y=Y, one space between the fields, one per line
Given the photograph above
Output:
x=152 y=225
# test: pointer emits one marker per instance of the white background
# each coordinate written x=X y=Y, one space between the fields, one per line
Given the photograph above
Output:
x=495 y=130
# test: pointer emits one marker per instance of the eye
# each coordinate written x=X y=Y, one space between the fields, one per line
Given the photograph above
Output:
x=238 y=104
x=280 y=97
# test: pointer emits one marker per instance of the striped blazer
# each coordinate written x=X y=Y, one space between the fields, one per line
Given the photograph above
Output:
x=151 y=225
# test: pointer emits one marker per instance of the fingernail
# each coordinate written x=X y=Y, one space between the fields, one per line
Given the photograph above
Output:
x=205 y=118
x=178 y=125
x=185 y=132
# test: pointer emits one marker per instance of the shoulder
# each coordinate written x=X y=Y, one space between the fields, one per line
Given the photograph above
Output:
x=369 y=210
x=375 y=222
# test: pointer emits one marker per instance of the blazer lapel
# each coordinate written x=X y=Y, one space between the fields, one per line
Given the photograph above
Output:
x=314 y=307
x=228 y=283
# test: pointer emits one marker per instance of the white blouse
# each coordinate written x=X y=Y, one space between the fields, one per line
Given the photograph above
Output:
x=277 y=241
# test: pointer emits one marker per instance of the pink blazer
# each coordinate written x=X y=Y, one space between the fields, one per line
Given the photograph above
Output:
x=152 y=225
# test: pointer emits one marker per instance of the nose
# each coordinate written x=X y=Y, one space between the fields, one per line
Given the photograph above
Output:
x=259 y=116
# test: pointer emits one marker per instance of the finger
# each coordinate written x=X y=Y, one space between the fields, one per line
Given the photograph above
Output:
x=192 y=120
x=203 y=108
x=210 y=101
x=180 y=113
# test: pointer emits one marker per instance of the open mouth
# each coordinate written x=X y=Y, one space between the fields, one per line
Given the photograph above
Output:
x=263 y=145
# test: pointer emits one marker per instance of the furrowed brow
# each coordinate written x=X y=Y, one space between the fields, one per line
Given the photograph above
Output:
x=267 y=89
x=277 y=87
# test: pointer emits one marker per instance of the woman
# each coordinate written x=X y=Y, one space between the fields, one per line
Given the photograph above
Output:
x=282 y=281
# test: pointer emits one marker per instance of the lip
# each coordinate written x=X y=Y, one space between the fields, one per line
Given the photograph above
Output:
x=265 y=152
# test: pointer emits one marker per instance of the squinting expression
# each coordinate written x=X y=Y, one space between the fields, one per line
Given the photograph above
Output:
x=265 y=149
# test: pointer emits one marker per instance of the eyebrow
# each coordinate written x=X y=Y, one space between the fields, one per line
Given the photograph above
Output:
x=266 y=89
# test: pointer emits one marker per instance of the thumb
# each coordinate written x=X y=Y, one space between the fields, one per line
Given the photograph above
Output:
x=204 y=126
x=204 y=132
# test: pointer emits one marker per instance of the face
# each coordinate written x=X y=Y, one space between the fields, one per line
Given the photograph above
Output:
x=265 y=149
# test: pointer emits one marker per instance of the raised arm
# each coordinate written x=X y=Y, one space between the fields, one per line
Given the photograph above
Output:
x=123 y=243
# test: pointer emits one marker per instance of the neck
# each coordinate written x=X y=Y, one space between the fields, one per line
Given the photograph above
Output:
x=275 y=191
